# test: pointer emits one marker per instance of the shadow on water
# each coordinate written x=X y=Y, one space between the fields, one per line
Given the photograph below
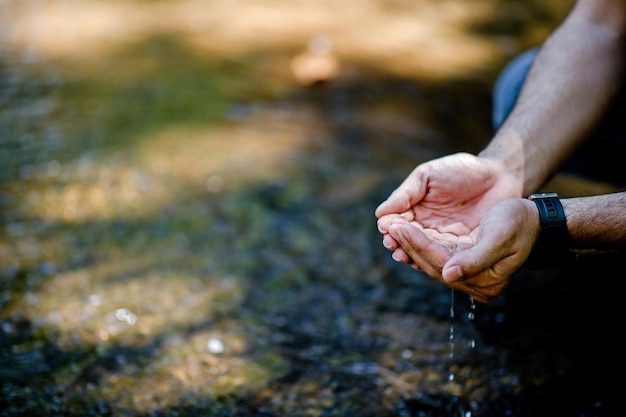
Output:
x=184 y=236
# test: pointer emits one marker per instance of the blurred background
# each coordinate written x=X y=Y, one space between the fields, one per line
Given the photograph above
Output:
x=187 y=195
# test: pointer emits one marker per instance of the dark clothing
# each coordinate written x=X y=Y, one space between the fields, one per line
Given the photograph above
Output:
x=602 y=158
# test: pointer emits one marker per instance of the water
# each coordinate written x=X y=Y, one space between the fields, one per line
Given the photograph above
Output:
x=451 y=376
x=454 y=384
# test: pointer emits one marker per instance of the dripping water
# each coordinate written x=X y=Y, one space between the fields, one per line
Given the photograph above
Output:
x=470 y=316
x=451 y=343
x=451 y=338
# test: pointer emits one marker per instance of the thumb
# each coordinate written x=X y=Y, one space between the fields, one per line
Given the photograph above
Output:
x=469 y=262
x=398 y=202
x=409 y=193
x=452 y=272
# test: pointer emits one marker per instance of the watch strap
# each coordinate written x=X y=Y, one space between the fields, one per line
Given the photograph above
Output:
x=552 y=246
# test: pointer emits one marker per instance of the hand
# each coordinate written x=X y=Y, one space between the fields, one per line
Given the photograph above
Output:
x=445 y=199
x=483 y=262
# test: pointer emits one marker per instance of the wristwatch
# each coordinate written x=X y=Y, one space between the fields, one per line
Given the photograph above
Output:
x=553 y=246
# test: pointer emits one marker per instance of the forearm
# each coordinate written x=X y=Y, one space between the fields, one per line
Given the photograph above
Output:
x=596 y=222
x=572 y=83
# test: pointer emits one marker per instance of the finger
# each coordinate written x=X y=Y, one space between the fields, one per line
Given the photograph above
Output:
x=471 y=262
x=429 y=255
x=410 y=192
x=483 y=286
x=387 y=220
x=487 y=272
x=390 y=243
x=399 y=255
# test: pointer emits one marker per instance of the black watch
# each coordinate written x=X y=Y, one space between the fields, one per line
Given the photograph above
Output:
x=553 y=246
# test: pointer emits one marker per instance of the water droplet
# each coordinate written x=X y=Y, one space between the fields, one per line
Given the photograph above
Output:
x=125 y=316
x=215 y=345
x=451 y=302
x=451 y=338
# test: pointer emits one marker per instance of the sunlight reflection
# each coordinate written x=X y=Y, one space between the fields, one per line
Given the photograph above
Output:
x=221 y=157
x=430 y=39
x=139 y=182
x=124 y=315
x=215 y=345
x=99 y=317
x=93 y=189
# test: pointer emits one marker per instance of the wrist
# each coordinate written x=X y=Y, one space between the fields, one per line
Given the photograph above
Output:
x=507 y=150
x=507 y=163
x=552 y=246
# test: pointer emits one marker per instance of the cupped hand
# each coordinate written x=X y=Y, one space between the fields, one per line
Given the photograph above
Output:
x=449 y=194
x=483 y=262
x=444 y=199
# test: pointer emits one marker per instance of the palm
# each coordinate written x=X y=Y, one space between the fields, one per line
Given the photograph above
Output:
x=447 y=197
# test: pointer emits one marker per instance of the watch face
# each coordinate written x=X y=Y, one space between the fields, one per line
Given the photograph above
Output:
x=542 y=195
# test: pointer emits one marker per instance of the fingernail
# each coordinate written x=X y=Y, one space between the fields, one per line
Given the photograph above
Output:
x=452 y=273
x=394 y=257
